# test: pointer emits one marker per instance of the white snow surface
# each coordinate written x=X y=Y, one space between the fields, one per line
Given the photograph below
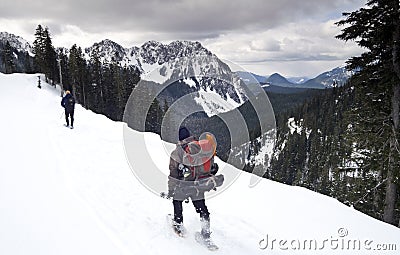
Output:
x=69 y=192
x=298 y=128
x=213 y=103
x=293 y=126
x=265 y=152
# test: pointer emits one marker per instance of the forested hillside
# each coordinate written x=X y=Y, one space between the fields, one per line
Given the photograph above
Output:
x=346 y=143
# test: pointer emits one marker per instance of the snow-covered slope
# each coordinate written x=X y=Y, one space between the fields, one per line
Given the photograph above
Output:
x=69 y=192
x=333 y=78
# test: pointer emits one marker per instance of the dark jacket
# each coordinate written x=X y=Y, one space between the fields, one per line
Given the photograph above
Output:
x=175 y=178
x=180 y=188
x=68 y=102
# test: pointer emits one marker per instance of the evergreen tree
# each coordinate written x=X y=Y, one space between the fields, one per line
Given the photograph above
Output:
x=107 y=90
x=119 y=90
x=50 y=58
x=154 y=117
x=165 y=107
x=112 y=86
x=96 y=92
x=38 y=48
x=165 y=125
x=28 y=64
x=377 y=29
x=8 y=59
x=62 y=56
x=78 y=74
x=45 y=54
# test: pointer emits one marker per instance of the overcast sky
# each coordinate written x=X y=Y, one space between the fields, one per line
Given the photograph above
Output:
x=292 y=37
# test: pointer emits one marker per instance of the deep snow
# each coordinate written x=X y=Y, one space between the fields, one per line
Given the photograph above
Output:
x=69 y=192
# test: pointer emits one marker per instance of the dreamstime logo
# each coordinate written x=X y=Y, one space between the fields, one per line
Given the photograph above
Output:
x=339 y=242
x=209 y=85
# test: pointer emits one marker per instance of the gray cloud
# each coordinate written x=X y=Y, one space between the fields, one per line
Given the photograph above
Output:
x=252 y=32
x=268 y=44
x=206 y=17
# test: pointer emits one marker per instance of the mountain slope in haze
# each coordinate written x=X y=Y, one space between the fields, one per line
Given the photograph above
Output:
x=249 y=77
x=278 y=80
x=58 y=197
x=298 y=80
x=334 y=78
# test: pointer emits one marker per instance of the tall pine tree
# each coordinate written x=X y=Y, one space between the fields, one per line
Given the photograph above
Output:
x=78 y=74
x=50 y=58
x=45 y=54
x=38 y=48
x=8 y=59
x=376 y=28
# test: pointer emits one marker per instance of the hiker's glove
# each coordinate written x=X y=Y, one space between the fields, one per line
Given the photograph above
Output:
x=214 y=168
x=183 y=171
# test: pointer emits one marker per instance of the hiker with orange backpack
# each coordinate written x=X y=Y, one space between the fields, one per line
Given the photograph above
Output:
x=192 y=171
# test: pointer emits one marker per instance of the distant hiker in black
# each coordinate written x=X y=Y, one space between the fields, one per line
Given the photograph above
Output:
x=175 y=180
x=68 y=102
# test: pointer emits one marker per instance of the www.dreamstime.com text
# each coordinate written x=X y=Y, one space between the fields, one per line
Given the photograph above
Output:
x=339 y=242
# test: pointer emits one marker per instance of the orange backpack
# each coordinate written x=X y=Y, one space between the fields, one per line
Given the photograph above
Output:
x=199 y=157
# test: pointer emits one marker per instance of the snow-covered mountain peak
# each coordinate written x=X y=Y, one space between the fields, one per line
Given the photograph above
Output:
x=110 y=51
x=335 y=77
x=152 y=45
x=107 y=44
x=153 y=52
x=188 y=48
x=179 y=61
x=16 y=42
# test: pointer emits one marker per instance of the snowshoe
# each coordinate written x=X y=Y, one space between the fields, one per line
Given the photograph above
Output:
x=178 y=228
x=206 y=241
